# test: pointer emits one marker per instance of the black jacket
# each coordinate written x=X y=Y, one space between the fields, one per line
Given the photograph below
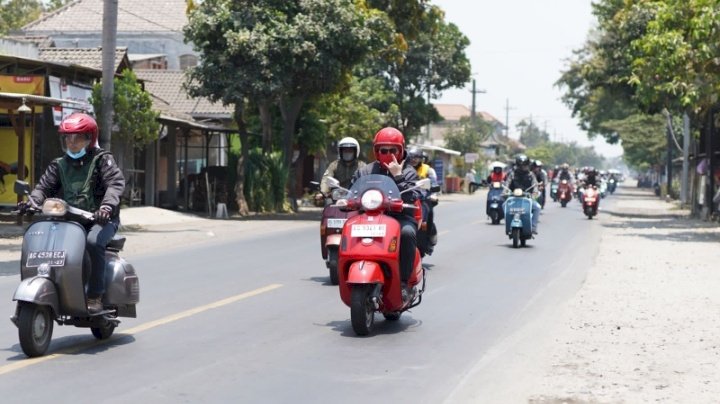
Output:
x=407 y=179
x=525 y=180
x=109 y=184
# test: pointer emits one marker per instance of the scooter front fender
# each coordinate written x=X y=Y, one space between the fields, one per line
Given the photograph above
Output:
x=38 y=290
x=364 y=272
x=333 y=240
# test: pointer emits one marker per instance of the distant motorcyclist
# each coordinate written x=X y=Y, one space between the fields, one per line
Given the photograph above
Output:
x=389 y=149
x=497 y=174
x=415 y=159
x=542 y=179
x=522 y=178
x=343 y=168
x=87 y=178
x=591 y=177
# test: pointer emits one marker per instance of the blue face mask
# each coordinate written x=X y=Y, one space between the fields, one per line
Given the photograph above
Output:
x=76 y=155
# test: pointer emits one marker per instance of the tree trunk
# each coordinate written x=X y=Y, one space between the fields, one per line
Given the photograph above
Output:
x=266 y=122
x=290 y=109
x=243 y=209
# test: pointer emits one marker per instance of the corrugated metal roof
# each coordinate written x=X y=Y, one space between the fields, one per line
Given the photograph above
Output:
x=87 y=57
x=133 y=16
x=167 y=85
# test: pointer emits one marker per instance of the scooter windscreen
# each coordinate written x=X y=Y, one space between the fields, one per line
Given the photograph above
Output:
x=382 y=183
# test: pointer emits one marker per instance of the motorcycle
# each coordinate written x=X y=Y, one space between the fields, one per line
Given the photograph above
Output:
x=564 y=193
x=590 y=201
x=518 y=211
x=427 y=232
x=331 y=224
x=554 y=190
x=369 y=264
x=612 y=184
x=494 y=206
x=54 y=269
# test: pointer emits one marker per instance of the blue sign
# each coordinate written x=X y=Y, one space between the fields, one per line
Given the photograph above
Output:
x=438 y=166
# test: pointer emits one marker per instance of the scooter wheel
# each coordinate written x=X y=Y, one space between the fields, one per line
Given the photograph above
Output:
x=35 y=327
x=516 y=237
x=333 y=265
x=362 y=311
x=103 y=332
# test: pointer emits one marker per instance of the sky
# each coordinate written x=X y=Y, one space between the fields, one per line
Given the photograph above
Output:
x=518 y=49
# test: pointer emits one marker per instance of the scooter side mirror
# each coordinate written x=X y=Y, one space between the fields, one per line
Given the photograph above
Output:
x=424 y=183
x=332 y=182
x=21 y=187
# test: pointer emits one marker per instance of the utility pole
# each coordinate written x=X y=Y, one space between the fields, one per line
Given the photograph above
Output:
x=685 y=182
x=109 y=41
x=474 y=91
x=507 y=117
x=668 y=171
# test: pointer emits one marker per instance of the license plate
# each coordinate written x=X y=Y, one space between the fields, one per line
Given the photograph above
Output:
x=335 y=223
x=53 y=258
x=367 y=230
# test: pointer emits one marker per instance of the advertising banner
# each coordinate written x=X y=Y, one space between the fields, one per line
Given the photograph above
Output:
x=34 y=85
x=59 y=88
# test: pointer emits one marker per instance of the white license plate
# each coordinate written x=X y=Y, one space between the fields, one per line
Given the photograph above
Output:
x=53 y=258
x=367 y=230
x=335 y=223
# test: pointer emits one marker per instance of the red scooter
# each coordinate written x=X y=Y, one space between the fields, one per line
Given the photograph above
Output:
x=564 y=193
x=331 y=225
x=369 y=262
x=590 y=201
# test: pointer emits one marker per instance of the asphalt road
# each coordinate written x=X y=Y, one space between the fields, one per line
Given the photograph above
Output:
x=254 y=319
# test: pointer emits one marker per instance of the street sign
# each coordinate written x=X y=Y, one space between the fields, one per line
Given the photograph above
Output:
x=438 y=166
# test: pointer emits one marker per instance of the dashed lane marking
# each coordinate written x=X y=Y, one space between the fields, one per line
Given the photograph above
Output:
x=21 y=364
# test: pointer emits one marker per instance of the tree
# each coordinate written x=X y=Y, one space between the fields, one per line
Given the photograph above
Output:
x=133 y=116
x=468 y=136
x=531 y=135
x=643 y=139
x=427 y=56
x=14 y=14
x=281 y=53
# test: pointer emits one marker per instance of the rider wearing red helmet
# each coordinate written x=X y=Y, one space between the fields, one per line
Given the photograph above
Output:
x=86 y=177
x=389 y=148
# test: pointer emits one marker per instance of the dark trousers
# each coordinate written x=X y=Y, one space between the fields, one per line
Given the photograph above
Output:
x=98 y=238
x=408 y=245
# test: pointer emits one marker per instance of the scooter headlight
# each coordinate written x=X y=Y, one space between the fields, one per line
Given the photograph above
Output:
x=518 y=192
x=54 y=207
x=371 y=199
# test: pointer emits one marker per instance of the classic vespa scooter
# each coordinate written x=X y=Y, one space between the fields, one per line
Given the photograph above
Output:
x=369 y=266
x=54 y=269
x=518 y=216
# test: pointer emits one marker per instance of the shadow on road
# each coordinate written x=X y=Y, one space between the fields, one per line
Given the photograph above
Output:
x=381 y=327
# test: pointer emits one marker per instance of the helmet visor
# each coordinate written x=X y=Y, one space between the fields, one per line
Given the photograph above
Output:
x=74 y=141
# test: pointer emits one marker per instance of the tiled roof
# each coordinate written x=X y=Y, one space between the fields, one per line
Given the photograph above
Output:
x=167 y=85
x=87 y=57
x=133 y=16
x=452 y=112
x=41 y=41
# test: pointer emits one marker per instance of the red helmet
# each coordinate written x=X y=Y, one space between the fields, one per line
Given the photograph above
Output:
x=389 y=137
x=79 y=122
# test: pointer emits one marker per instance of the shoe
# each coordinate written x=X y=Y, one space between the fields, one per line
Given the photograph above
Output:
x=433 y=239
x=405 y=292
x=94 y=305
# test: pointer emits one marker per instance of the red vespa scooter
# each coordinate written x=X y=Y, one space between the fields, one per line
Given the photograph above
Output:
x=369 y=260
x=331 y=225
x=590 y=201
x=564 y=192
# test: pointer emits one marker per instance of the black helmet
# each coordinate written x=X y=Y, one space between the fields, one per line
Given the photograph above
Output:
x=522 y=160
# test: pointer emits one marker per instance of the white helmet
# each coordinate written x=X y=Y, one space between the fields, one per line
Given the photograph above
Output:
x=348 y=142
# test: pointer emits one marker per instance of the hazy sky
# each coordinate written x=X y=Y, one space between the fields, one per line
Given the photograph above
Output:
x=517 y=50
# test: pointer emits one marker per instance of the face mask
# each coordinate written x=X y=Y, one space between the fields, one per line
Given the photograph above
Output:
x=76 y=155
x=348 y=156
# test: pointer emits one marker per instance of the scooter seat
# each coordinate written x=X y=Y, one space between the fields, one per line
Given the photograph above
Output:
x=117 y=243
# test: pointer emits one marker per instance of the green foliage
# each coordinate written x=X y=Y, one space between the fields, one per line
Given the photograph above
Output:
x=428 y=55
x=265 y=178
x=643 y=139
x=468 y=136
x=531 y=135
x=14 y=14
x=133 y=114
x=555 y=153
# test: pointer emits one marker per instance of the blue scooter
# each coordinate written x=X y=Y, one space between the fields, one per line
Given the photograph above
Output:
x=518 y=213
x=494 y=208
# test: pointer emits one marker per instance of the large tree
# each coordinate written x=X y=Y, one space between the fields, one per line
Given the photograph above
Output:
x=14 y=14
x=427 y=56
x=280 y=52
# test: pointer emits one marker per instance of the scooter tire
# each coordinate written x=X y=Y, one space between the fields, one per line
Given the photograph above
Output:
x=563 y=203
x=362 y=312
x=333 y=266
x=103 y=332
x=516 y=237
x=35 y=327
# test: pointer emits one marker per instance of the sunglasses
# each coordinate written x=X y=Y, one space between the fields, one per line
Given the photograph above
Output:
x=388 y=150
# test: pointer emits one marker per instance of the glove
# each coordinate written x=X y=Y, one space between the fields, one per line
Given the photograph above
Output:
x=320 y=197
x=102 y=215
x=23 y=206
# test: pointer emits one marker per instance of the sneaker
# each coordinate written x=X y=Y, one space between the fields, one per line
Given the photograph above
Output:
x=94 y=305
x=405 y=292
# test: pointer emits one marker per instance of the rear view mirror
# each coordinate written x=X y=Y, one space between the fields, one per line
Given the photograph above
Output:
x=22 y=187
x=332 y=182
x=423 y=183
